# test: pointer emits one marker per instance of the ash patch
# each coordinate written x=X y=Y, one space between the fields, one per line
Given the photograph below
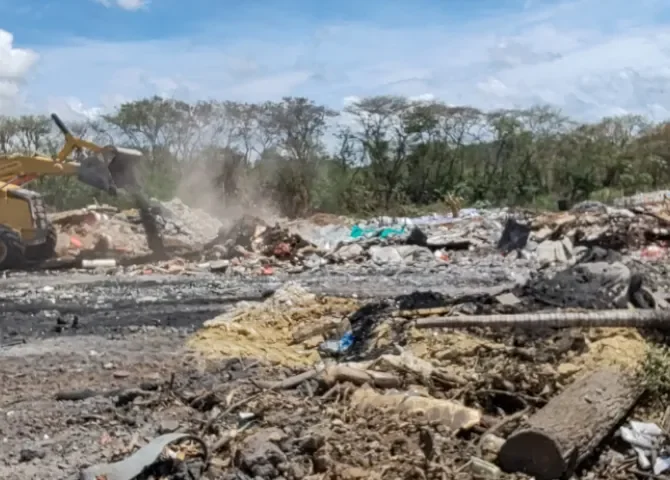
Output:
x=590 y=285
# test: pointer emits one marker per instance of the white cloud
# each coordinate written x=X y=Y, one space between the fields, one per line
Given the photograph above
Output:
x=15 y=64
x=130 y=5
x=588 y=59
x=72 y=108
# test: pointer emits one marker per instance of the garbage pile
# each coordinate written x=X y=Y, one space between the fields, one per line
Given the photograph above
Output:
x=418 y=385
x=102 y=231
x=250 y=244
x=506 y=389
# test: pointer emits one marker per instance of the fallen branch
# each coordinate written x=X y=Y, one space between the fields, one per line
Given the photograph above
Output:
x=344 y=373
x=335 y=374
x=125 y=395
x=453 y=415
x=290 y=382
x=226 y=438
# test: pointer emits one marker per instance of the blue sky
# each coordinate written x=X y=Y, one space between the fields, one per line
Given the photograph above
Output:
x=588 y=57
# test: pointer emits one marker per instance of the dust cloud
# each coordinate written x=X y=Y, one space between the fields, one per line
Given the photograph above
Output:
x=201 y=188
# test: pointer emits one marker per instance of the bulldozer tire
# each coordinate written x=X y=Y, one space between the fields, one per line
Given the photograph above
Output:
x=12 y=249
x=45 y=250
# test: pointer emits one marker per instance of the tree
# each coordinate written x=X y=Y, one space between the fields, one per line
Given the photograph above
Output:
x=297 y=126
x=439 y=134
x=380 y=128
x=385 y=153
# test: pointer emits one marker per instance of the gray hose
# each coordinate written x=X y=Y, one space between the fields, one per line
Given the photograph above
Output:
x=131 y=467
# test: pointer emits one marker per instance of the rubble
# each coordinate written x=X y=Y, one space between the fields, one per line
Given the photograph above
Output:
x=254 y=246
x=431 y=347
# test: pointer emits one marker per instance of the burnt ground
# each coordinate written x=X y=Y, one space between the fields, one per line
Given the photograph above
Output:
x=74 y=332
x=45 y=305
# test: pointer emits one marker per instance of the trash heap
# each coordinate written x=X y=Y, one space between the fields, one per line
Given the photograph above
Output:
x=505 y=388
x=102 y=231
x=251 y=245
x=523 y=382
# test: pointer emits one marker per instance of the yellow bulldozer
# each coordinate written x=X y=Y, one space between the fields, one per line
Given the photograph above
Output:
x=26 y=235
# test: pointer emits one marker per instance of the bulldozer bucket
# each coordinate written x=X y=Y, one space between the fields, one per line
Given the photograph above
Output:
x=123 y=167
x=111 y=169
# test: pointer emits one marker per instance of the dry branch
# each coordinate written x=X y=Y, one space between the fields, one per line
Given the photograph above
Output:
x=357 y=376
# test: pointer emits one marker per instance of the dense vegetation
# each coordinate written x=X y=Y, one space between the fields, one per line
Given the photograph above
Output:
x=381 y=153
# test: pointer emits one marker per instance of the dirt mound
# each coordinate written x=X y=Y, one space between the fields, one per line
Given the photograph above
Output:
x=288 y=327
x=285 y=329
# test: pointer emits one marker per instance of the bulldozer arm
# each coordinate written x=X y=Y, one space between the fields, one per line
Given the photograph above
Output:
x=108 y=168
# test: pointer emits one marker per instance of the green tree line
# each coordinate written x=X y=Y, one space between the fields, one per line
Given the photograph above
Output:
x=384 y=153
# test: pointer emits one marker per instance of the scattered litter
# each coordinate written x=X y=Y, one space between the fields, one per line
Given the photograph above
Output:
x=649 y=442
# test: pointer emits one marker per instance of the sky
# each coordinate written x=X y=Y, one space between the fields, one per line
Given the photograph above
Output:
x=591 y=58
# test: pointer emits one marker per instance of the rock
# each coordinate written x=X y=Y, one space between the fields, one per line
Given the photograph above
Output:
x=484 y=470
x=385 y=256
x=313 y=261
x=311 y=443
x=546 y=252
x=297 y=471
x=491 y=444
x=29 y=454
x=348 y=252
x=609 y=274
x=168 y=426
x=121 y=374
x=508 y=299
x=558 y=251
x=259 y=456
x=414 y=252
x=219 y=266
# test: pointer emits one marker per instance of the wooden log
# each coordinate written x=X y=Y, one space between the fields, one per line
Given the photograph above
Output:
x=557 y=438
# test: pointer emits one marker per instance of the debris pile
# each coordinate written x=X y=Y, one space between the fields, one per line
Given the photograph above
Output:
x=251 y=245
x=399 y=402
x=190 y=225
x=284 y=329
x=529 y=379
